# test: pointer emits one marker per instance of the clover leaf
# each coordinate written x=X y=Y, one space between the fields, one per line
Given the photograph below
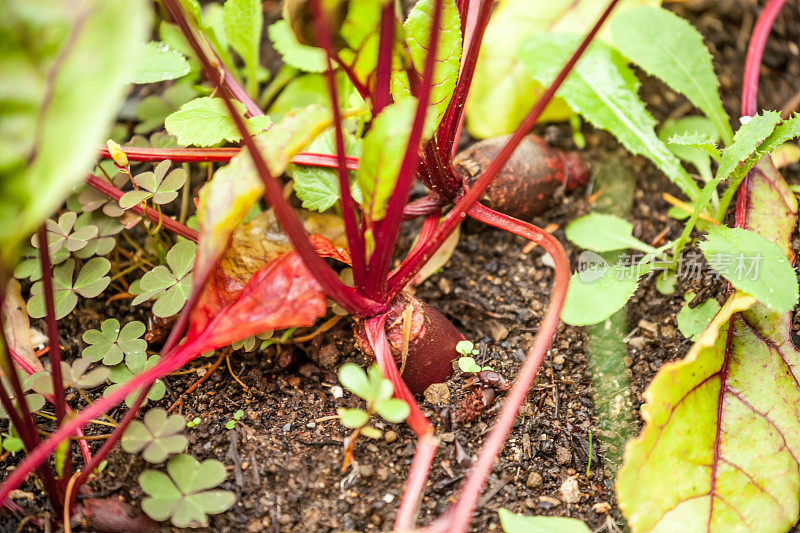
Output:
x=91 y=199
x=183 y=496
x=111 y=343
x=76 y=375
x=30 y=266
x=91 y=281
x=169 y=285
x=135 y=363
x=103 y=242
x=33 y=400
x=64 y=234
x=157 y=436
x=158 y=185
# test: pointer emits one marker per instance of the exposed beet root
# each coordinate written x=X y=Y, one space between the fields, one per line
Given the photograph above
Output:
x=529 y=179
x=431 y=346
x=109 y=515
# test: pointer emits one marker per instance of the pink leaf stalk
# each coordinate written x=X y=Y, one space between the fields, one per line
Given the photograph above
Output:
x=752 y=63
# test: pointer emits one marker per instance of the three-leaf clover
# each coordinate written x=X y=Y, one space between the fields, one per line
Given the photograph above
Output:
x=158 y=185
x=183 y=496
x=103 y=242
x=169 y=285
x=76 y=375
x=91 y=281
x=33 y=400
x=377 y=392
x=31 y=267
x=135 y=363
x=64 y=234
x=157 y=436
x=91 y=199
x=110 y=343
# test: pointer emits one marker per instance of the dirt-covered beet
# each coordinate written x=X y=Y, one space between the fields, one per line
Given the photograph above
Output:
x=530 y=178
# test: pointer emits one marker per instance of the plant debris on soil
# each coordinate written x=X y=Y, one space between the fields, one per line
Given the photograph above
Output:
x=284 y=456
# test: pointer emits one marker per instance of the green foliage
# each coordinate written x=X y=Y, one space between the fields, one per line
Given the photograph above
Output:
x=693 y=321
x=597 y=293
x=604 y=233
x=466 y=348
x=243 y=21
x=383 y=152
x=376 y=391
x=76 y=375
x=49 y=130
x=417 y=29
x=352 y=418
x=515 y=523
x=154 y=109
x=158 y=62
x=668 y=47
x=110 y=343
x=169 y=285
x=90 y=282
x=34 y=400
x=157 y=436
x=63 y=234
x=694 y=140
x=30 y=267
x=135 y=363
x=746 y=140
x=159 y=186
x=104 y=241
x=604 y=91
x=184 y=496
x=301 y=56
x=753 y=265
x=205 y=121
x=468 y=364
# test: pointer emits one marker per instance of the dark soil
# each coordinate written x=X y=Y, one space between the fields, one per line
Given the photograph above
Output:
x=285 y=455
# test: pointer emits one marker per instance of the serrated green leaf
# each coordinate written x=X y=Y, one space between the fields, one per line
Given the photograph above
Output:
x=694 y=140
x=746 y=140
x=604 y=233
x=49 y=130
x=515 y=523
x=158 y=62
x=753 y=265
x=604 y=91
x=597 y=293
x=300 y=56
x=668 y=47
x=205 y=121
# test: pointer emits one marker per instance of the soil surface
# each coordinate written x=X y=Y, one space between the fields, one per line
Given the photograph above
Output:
x=284 y=457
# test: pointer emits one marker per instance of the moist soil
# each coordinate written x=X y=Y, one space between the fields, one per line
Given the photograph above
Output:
x=285 y=455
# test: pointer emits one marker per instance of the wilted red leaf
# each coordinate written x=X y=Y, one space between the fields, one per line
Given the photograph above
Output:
x=17 y=329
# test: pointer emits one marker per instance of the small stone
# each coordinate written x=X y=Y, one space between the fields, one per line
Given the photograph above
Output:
x=530 y=503
x=570 y=492
x=390 y=436
x=447 y=437
x=328 y=356
x=437 y=394
x=383 y=473
x=337 y=392
x=293 y=381
x=311 y=425
x=637 y=342
x=668 y=332
x=497 y=330
x=534 y=480
x=287 y=427
x=445 y=285
x=388 y=497
x=558 y=359
x=601 y=507
x=366 y=470
x=563 y=455
x=648 y=326
x=547 y=502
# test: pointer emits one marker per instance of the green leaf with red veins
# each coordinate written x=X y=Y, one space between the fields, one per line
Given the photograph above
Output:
x=721 y=443
x=49 y=130
x=361 y=31
x=382 y=154
x=604 y=90
x=236 y=187
x=417 y=29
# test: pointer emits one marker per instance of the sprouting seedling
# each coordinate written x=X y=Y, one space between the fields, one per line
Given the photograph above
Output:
x=193 y=423
x=64 y=234
x=467 y=362
x=110 y=344
x=158 y=186
x=157 y=436
x=377 y=392
x=135 y=363
x=11 y=441
x=90 y=282
x=76 y=375
x=169 y=285
x=230 y=424
x=184 y=496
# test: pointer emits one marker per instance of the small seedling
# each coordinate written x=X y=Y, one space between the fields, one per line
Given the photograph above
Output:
x=110 y=344
x=377 y=391
x=467 y=362
x=183 y=496
x=157 y=436
x=230 y=424
x=193 y=422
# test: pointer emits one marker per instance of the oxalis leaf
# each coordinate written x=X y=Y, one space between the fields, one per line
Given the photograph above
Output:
x=61 y=91
x=604 y=91
x=205 y=121
x=668 y=47
x=721 y=443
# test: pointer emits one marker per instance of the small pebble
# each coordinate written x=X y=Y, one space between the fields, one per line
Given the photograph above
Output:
x=390 y=436
x=311 y=425
x=388 y=497
x=287 y=427
x=601 y=507
x=558 y=359
x=366 y=470
x=546 y=502
x=437 y=394
x=383 y=473
x=570 y=492
x=563 y=455
x=497 y=330
x=336 y=391
x=534 y=480
x=293 y=381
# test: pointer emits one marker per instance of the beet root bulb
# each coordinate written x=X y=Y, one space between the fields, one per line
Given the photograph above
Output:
x=529 y=180
x=432 y=342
